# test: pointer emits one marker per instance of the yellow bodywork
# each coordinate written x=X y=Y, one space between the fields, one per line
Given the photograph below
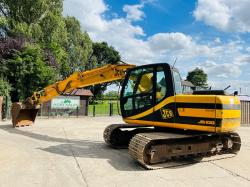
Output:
x=230 y=117
x=101 y=75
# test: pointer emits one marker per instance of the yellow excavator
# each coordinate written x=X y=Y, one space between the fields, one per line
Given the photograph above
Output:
x=162 y=123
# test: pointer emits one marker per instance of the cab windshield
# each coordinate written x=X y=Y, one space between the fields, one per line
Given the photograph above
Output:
x=144 y=87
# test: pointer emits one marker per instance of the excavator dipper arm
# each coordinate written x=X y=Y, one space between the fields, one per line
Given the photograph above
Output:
x=25 y=113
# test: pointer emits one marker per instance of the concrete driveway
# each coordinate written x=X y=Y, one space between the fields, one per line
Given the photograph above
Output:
x=71 y=152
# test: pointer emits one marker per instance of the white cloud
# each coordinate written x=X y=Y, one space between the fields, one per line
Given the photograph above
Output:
x=225 y=15
x=178 y=45
x=248 y=49
x=224 y=70
x=126 y=37
x=222 y=61
x=118 y=32
x=134 y=12
x=214 y=13
x=242 y=60
x=217 y=40
x=89 y=12
x=170 y=41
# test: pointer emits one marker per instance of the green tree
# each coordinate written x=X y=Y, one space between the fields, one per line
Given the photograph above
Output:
x=112 y=95
x=198 y=77
x=27 y=72
x=103 y=54
x=3 y=26
x=79 y=45
x=42 y=46
x=29 y=11
x=39 y=21
x=5 y=88
x=54 y=40
x=24 y=17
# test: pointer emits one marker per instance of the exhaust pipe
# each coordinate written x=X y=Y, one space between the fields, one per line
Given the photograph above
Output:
x=23 y=115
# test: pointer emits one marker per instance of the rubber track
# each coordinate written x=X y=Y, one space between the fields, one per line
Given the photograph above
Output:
x=109 y=130
x=139 y=144
x=137 y=147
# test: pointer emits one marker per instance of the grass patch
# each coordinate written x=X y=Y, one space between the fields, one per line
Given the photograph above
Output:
x=103 y=108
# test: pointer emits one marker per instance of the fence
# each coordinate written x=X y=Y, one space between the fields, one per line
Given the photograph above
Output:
x=104 y=108
x=245 y=112
x=98 y=108
x=107 y=108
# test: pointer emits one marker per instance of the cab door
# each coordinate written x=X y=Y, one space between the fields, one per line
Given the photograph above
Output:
x=144 y=88
x=138 y=93
x=164 y=107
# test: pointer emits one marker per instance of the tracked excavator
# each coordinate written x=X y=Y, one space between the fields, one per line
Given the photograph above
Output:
x=161 y=123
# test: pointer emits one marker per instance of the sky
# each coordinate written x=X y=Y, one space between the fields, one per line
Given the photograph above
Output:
x=210 y=34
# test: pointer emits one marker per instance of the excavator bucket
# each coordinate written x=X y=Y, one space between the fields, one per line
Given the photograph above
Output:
x=23 y=115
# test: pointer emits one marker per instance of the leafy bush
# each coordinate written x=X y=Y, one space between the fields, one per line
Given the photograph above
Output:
x=28 y=72
x=5 y=89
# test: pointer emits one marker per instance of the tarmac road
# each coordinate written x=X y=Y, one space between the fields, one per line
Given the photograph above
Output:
x=71 y=152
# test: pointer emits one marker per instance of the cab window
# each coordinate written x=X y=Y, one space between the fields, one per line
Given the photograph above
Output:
x=161 y=86
x=177 y=82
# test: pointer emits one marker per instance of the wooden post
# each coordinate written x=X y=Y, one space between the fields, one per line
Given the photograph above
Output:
x=6 y=108
x=94 y=110
x=48 y=111
x=110 y=109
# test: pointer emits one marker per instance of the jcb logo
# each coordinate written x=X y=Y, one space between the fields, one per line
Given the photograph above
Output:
x=167 y=113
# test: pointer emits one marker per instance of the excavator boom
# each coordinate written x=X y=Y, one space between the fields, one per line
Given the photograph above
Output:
x=24 y=113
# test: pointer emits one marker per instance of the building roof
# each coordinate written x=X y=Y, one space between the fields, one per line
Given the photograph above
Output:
x=187 y=83
x=81 y=92
x=244 y=97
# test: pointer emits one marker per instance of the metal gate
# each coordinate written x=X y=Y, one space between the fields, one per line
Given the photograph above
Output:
x=245 y=112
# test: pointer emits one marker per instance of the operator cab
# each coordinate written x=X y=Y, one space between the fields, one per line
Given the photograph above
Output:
x=146 y=86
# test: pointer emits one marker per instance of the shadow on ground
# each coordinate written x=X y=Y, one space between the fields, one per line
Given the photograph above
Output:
x=118 y=158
